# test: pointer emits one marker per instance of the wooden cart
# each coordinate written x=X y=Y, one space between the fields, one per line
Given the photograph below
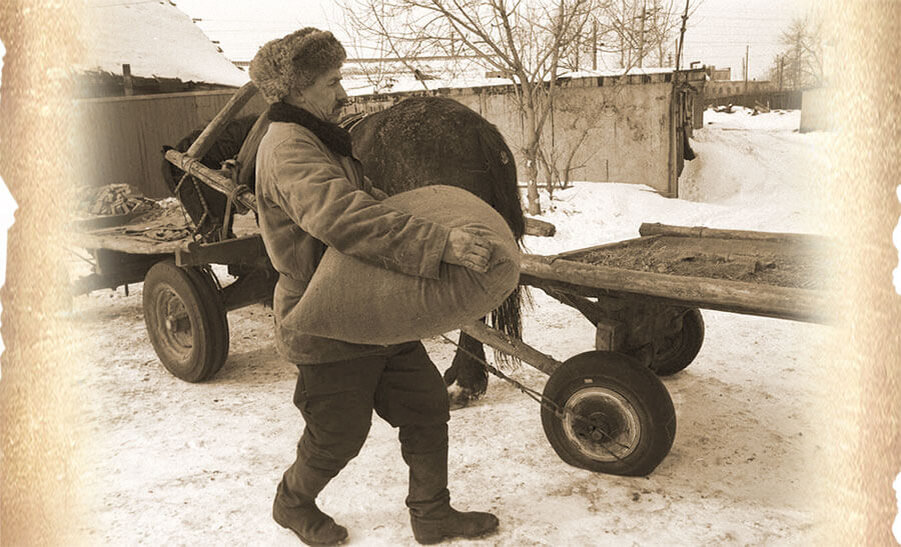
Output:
x=604 y=410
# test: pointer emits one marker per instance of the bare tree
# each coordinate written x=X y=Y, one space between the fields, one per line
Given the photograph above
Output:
x=800 y=64
x=638 y=29
x=523 y=40
x=559 y=159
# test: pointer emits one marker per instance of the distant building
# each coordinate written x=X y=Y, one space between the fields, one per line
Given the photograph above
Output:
x=719 y=74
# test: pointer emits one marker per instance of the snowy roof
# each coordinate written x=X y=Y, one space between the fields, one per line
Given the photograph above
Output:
x=398 y=79
x=157 y=40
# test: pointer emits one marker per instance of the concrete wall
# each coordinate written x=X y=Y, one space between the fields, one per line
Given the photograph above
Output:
x=632 y=126
x=765 y=93
x=716 y=89
x=629 y=122
x=817 y=110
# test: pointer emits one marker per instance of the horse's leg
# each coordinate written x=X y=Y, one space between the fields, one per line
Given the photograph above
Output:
x=466 y=378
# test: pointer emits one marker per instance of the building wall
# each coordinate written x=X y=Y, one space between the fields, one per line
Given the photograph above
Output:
x=631 y=124
x=626 y=126
x=716 y=89
x=720 y=73
x=628 y=123
x=763 y=93
x=817 y=111
x=123 y=137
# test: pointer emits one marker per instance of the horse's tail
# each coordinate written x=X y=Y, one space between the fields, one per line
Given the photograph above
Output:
x=505 y=199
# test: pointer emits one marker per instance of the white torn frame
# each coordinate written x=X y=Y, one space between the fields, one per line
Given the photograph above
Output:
x=896 y=527
x=7 y=206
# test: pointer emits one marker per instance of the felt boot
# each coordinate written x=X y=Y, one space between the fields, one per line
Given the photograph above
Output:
x=295 y=508
x=431 y=516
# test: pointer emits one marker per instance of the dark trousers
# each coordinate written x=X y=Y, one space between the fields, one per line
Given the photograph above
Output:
x=336 y=401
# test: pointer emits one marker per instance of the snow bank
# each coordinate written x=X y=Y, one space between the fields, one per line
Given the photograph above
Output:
x=751 y=173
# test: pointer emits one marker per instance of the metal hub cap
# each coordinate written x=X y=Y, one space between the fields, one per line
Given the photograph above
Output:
x=175 y=325
x=602 y=424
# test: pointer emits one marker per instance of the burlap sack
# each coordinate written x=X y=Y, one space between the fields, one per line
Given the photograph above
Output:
x=358 y=302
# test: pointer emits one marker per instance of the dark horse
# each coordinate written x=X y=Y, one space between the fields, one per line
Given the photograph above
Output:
x=430 y=140
x=417 y=142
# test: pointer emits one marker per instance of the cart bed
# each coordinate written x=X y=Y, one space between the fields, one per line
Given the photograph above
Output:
x=758 y=273
x=781 y=263
x=159 y=231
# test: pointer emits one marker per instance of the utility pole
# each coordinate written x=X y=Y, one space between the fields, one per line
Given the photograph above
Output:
x=747 y=51
x=781 y=66
x=594 y=45
x=127 y=81
x=682 y=35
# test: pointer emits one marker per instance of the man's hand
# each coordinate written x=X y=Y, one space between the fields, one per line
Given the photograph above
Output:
x=370 y=189
x=468 y=247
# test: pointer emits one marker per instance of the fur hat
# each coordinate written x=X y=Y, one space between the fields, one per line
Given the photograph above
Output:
x=294 y=61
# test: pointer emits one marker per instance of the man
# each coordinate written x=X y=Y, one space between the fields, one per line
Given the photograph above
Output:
x=311 y=193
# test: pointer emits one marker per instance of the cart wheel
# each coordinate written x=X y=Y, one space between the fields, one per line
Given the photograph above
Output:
x=682 y=347
x=185 y=320
x=619 y=418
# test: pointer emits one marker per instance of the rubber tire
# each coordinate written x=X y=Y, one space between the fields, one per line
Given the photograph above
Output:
x=197 y=294
x=634 y=383
x=692 y=338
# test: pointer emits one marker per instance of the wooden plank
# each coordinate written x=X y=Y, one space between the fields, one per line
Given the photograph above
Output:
x=116 y=241
x=500 y=341
x=725 y=295
x=211 y=132
x=648 y=229
x=240 y=250
x=535 y=227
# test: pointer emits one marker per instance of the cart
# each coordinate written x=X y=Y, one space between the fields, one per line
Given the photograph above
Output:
x=607 y=410
x=604 y=410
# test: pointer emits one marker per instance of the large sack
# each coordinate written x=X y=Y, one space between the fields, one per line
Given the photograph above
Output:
x=359 y=302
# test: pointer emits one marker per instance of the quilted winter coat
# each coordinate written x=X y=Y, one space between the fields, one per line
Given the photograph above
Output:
x=310 y=197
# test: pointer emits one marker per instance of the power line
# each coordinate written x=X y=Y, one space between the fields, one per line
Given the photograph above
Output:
x=243 y=21
x=124 y=4
x=245 y=30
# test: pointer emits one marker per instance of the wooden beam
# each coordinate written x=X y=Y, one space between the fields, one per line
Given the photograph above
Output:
x=212 y=178
x=535 y=227
x=127 y=81
x=500 y=341
x=649 y=229
x=211 y=132
x=240 y=250
x=701 y=292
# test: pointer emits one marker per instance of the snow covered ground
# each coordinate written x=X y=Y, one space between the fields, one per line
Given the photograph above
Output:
x=195 y=464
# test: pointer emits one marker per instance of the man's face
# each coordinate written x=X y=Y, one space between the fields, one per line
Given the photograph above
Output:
x=325 y=97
